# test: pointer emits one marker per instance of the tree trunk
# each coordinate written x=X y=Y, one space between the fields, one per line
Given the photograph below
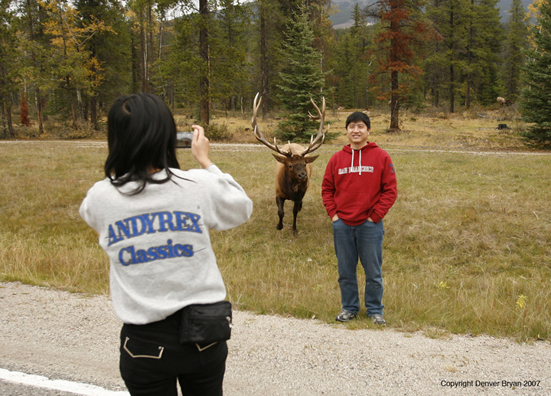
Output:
x=394 y=104
x=452 y=88
x=452 y=76
x=39 y=112
x=7 y=119
x=94 y=113
x=470 y=59
x=204 y=84
x=143 y=55
x=150 y=50
x=264 y=80
x=80 y=106
x=394 y=87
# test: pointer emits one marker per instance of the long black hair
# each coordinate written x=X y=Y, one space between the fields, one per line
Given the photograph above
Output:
x=141 y=135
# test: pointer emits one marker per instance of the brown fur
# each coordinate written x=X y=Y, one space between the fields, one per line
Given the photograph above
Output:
x=292 y=180
x=294 y=166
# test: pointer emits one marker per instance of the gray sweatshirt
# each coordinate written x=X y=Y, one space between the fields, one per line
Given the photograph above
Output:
x=158 y=241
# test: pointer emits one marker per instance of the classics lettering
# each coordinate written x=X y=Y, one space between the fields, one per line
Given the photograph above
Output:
x=129 y=255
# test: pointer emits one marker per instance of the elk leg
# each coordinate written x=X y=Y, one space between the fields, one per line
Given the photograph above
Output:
x=296 y=208
x=280 y=202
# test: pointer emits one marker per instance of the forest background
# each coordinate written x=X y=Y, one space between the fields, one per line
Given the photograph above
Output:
x=63 y=63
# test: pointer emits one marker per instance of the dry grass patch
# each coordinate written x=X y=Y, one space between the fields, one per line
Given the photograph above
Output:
x=467 y=246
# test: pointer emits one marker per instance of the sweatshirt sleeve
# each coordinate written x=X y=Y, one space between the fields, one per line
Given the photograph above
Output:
x=389 y=191
x=328 y=189
x=230 y=205
x=87 y=211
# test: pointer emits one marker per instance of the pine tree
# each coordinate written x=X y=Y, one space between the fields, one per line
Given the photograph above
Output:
x=402 y=27
x=451 y=18
x=9 y=63
x=515 y=44
x=303 y=79
x=36 y=44
x=110 y=49
x=228 y=53
x=72 y=64
x=349 y=63
x=485 y=48
x=536 y=94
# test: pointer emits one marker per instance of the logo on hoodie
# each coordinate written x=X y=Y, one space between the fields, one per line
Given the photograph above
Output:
x=355 y=169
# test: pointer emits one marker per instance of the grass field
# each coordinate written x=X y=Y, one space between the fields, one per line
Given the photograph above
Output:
x=467 y=246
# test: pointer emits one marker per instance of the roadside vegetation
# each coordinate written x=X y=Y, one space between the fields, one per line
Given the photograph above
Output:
x=467 y=246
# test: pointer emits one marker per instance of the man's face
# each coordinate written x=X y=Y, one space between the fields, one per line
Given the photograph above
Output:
x=357 y=133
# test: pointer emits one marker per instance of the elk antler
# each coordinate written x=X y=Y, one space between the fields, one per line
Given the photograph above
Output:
x=320 y=137
x=258 y=134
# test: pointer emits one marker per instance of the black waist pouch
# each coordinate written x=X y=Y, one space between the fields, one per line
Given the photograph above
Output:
x=206 y=324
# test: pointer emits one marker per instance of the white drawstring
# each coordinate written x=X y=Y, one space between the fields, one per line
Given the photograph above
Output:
x=359 y=165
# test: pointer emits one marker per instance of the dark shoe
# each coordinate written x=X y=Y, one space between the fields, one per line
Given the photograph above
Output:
x=345 y=316
x=378 y=319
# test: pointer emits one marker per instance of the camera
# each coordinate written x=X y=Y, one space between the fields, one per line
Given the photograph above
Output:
x=183 y=139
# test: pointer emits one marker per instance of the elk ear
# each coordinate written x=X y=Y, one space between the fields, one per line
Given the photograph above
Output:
x=310 y=159
x=279 y=158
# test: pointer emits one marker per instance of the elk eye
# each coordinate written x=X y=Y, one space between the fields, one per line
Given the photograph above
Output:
x=290 y=166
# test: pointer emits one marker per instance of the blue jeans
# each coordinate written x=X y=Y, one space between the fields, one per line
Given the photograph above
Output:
x=363 y=242
x=152 y=361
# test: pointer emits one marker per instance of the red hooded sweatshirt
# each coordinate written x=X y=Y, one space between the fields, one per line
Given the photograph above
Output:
x=359 y=184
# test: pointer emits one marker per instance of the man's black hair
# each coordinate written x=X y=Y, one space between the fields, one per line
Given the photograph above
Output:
x=359 y=116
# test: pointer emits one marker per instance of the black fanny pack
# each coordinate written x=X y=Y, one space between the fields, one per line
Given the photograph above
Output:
x=206 y=324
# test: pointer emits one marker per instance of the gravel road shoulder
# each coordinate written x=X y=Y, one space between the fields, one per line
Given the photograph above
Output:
x=75 y=337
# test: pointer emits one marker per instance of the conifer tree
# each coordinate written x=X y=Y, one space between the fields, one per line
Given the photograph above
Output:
x=303 y=79
x=515 y=44
x=72 y=64
x=536 y=94
x=8 y=57
x=112 y=51
x=35 y=43
x=451 y=18
x=485 y=47
x=402 y=28
x=349 y=64
x=228 y=52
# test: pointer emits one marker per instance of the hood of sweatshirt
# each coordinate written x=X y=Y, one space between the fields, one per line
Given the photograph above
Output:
x=354 y=153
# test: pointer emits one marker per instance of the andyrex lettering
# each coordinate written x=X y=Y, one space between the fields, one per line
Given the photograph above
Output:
x=150 y=223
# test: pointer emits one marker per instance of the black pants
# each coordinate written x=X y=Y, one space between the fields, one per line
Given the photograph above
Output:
x=152 y=360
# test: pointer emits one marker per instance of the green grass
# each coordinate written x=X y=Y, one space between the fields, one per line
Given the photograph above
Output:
x=467 y=247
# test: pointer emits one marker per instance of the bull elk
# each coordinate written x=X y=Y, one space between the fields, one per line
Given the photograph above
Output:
x=294 y=166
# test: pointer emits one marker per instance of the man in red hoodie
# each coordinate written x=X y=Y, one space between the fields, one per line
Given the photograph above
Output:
x=358 y=189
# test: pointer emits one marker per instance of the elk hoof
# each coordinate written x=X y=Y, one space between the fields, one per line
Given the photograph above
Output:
x=279 y=226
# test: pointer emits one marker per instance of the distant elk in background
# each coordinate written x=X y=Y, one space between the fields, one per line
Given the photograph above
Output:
x=294 y=167
x=504 y=102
